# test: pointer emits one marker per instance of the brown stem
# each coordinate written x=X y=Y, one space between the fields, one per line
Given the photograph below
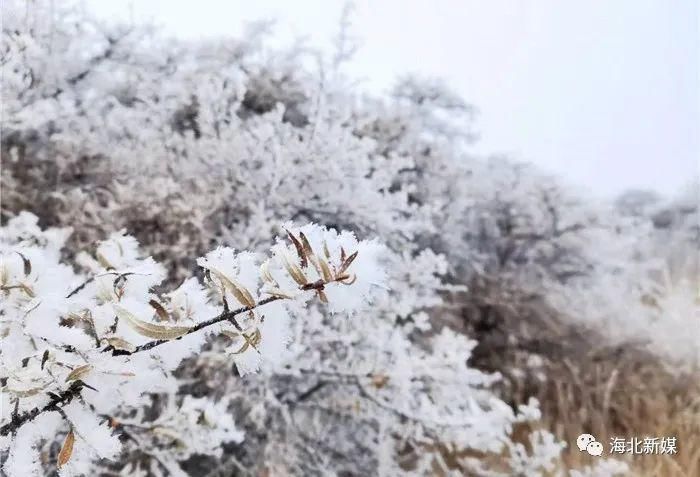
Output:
x=55 y=404
x=64 y=397
x=225 y=316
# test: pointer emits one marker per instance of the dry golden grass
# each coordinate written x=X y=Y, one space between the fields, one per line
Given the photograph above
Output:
x=609 y=393
x=582 y=385
x=621 y=393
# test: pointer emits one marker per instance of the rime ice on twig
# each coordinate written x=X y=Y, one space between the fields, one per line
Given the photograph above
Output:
x=84 y=347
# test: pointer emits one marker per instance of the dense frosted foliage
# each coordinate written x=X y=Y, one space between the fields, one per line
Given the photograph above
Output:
x=93 y=349
x=205 y=150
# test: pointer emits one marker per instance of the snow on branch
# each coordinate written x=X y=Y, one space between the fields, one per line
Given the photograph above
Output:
x=85 y=348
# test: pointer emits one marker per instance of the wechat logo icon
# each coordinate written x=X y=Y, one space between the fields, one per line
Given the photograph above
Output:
x=588 y=443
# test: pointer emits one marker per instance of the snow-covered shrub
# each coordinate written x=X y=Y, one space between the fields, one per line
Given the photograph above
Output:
x=92 y=349
x=193 y=145
x=86 y=354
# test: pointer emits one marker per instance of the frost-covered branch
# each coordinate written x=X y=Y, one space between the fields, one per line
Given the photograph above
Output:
x=190 y=143
x=49 y=354
x=54 y=404
x=58 y=400
x=229 y=316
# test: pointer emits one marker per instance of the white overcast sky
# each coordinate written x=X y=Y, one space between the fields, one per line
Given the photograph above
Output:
x=604 y=92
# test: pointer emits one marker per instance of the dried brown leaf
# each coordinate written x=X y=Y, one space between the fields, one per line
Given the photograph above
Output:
x=118 y=285
x=160 y=311
x=346 y=263
x=265 y=273
x=44 y=358
x=325 y=271
x=299 y=247
x=79 y=372
x=308 y=251
x=120 y=344
x=151 y=330
x=240 y=292
x=274 y=291
x=26 y=392
x=347 y=279
x=250 y=340
x=294 y=271
x=27 y=264
x=66 y=450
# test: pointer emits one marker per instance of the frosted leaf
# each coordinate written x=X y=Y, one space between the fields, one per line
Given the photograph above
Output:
x=274 y=338
x=92 y=432
x=235 y=273
x=358 y=264
x=189 y=302
x=120 y=251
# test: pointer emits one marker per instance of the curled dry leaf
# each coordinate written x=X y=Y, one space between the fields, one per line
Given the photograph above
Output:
x=251 y=340
x=160 y=311
x=25 y=382
x=299 y=247
x=170 y=434
x=319 y=264
x=120 y=344
x=44 y=358
x=240 y=292
x=346 y=263
x=118 y=285
x=66 y=450
x=151 y=330
x=85 y=316
x=325 y=271
x=308 y=251
x=26 y=392
x=347 y=279
x=79 y=373
x=294 y=270
x=265 y=273
x=274 y=291
x=27 y=264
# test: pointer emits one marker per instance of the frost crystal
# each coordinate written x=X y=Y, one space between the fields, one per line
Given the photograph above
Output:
x=90 y=348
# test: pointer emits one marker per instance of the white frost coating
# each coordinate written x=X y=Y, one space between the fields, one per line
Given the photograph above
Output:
x=193 y=144
x=61 y=330
x=93 y=430
x=22 y=461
